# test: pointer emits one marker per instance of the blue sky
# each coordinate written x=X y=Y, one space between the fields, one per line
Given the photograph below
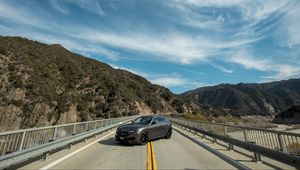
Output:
x=180 y=44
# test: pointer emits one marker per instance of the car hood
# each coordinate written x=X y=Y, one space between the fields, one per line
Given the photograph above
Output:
x=131 y=126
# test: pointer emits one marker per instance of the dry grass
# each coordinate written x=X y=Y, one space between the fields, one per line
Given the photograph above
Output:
x=228 y=119
x=197 y=116
x=294 y=148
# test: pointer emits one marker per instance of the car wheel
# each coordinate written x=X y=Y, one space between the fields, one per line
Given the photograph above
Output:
x=169 y=134
x=143 y=138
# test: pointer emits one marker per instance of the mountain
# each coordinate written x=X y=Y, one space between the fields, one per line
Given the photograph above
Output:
x=46 y=84
x=248 y=99
x=290 y=116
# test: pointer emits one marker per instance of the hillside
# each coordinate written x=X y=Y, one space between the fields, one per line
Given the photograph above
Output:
x=46 y=84
x=248 y=99
x=290 y=116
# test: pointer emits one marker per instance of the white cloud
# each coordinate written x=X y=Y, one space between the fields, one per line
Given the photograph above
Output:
x=288 y=34
x=175 y=47
x=171 y=45
x=92 y=6
x=26 y=16
x=258 y=11
x=246 y=59
x=73 y=45
x=225 y=70
x=214 y=3
x=169 y=81
x=252 y=10
x=279 y=71
x=59 y=7
x=134 y=71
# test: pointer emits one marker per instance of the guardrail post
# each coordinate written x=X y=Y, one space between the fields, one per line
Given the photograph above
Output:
x=257 y=156
x=202 y=125
x=230 y=145
x=214 y=140
x=74 y=129
x=46 y=155
x=281 y=143
x=225 y=130
x=95 y=125
x=87 y=126
x=245 y=135
x=22 y=141
x=211 y=127
x=54 y=134
x=213 y=136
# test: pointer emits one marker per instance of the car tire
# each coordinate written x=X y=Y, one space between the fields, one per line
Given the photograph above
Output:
x=143 y=138
x=169 y=134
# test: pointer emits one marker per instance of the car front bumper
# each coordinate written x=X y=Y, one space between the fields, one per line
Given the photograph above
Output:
x=128 y=138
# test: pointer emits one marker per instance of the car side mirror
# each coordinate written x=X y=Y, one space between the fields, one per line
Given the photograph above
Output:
x=153 y=123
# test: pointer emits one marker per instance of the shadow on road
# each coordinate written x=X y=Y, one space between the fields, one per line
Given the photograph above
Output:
x=112 y=142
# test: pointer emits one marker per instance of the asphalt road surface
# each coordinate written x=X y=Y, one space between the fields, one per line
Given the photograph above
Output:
x=178 y=152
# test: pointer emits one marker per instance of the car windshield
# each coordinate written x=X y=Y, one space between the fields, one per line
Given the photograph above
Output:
x=143 y=120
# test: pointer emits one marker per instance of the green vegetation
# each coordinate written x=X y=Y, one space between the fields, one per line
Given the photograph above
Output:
x=247 y=99
x=51 y=75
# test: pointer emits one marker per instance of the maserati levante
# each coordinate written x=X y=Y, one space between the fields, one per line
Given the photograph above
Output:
x=143 y=129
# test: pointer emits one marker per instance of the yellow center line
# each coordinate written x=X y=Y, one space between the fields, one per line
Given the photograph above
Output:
x=154 y=167
x=151 y=160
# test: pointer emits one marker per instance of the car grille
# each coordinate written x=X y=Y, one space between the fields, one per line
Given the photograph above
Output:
x=122 y=134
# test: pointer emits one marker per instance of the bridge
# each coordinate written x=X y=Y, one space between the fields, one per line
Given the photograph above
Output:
x=193 y=145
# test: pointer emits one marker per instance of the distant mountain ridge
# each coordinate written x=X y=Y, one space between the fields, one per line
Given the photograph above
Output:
x=46 y=84
x=248 y=99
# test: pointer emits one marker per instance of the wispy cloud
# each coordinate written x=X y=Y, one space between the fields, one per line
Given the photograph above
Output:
x=173 y=46
x=92 y=6
x=59 y=7
x=169 y=81
x=279 y=71
x=134 y=71
x=289 y=29
x=257 y=35
x=225 y=70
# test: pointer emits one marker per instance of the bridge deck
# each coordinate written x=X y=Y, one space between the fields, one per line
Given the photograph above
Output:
x=176 y=153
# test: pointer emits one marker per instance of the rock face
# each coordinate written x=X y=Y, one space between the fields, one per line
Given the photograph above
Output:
x=248 y=99
x=46 y=84
x=289 y=116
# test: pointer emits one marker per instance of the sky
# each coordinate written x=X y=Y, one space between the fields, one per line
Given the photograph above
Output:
x=179 y=44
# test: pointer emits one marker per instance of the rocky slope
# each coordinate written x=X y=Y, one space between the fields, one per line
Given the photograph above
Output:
x=248 y=99
x=46 y=84
x=289 y=116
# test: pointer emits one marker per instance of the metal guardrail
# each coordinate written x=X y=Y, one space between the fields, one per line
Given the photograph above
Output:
x=19 y=145
x=278 y=145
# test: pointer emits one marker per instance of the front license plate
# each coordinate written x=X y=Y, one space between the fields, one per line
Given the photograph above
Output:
x=121 y=138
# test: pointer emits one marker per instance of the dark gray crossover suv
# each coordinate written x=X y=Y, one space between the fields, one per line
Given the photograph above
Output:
x=143 y=129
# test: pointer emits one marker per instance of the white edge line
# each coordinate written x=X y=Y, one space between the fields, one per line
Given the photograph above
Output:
x=73 y=153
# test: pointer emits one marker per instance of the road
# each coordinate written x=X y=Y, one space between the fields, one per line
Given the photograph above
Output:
x=176 y=153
